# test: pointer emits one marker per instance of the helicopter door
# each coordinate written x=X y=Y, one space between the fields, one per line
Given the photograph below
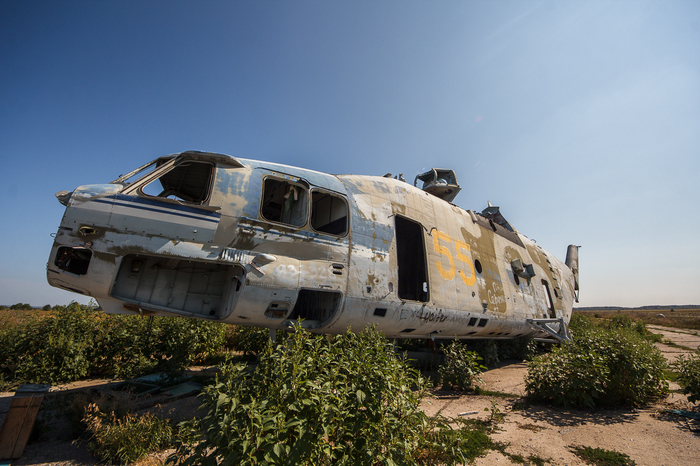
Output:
x=410 y=251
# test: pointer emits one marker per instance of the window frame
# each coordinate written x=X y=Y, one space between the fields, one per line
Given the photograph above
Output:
x=281 y=179
x=311 y=212
x=166 y=168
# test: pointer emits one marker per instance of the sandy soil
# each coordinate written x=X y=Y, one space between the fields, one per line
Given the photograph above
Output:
x=651 y=435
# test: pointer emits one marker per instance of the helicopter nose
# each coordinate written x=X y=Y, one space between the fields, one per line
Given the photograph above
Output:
x=64 y=196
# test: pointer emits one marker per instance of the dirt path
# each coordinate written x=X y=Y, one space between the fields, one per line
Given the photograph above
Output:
x=650 y=436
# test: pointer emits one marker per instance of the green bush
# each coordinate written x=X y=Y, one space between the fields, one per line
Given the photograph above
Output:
x=689 y=375
x=488 y=350
x=312 y=400
x=251 y=341
x=341 y=400
x=48 y=350
x=599 y=367
x=523 y=348
x=461 y=368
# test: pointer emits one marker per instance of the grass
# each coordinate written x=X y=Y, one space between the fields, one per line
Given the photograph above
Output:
x=480 y=391
x=668 y=342
x=602 y=457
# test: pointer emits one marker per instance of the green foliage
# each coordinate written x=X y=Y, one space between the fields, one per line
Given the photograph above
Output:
x=345 y=400
x=580 y=323
x=488 y=350
x=451 y=441
x=688 y=367
x=49 y=350
x=76 y=341
x=601 y=457
x=127 y=438
x=522 y=348
x=251 y=341
x=461 y=367
x=599 y=367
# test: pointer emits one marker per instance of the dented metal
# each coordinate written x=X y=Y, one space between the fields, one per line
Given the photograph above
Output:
x=253 y=243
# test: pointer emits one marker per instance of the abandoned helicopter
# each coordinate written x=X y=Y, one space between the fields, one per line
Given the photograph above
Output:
x=210 y=236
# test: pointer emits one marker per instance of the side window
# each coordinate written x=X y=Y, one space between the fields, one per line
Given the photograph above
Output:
x=189 y=182
x=329 y=213
x=284 y=202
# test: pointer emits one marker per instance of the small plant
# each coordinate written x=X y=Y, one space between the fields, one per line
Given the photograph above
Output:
x=601 y=457
x=688 y=367
x=125 y=439
x=453 y=441
x=497 y=416
x=488 y=351
x=461 y=367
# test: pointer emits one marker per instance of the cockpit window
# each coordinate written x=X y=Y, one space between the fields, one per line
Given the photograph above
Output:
x=141 y=172
x=329 y=213
x=284 y=202
x=188 y=182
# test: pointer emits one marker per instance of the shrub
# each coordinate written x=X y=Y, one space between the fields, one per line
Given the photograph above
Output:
x=488 y=350
x=49 y=350
x=251 y=341
x=523 y=348
x=689 y=375
x=599 y=367
x=345 y=400
x=125 y=439
x=461 y=368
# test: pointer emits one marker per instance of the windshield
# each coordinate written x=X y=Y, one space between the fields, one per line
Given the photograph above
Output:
x=141 y=171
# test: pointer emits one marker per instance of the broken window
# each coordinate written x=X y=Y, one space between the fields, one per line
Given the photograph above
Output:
x=284 y=202
x=73 y=260
x=188 y=182
x=329 y=213
x=142 y=171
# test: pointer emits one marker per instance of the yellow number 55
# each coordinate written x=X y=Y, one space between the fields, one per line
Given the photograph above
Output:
x=450 y=273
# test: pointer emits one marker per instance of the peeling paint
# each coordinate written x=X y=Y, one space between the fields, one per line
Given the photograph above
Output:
x=461 y=261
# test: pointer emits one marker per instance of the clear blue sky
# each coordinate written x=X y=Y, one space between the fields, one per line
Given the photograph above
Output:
x=580 y=119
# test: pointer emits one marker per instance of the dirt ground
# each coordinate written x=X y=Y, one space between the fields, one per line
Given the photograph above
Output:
x=650 y=435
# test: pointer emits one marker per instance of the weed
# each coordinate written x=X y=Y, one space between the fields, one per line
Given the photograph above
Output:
x=601 y=457
x=461 y=368
x=688 y=367
x=496 y=416
x=125 y=439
